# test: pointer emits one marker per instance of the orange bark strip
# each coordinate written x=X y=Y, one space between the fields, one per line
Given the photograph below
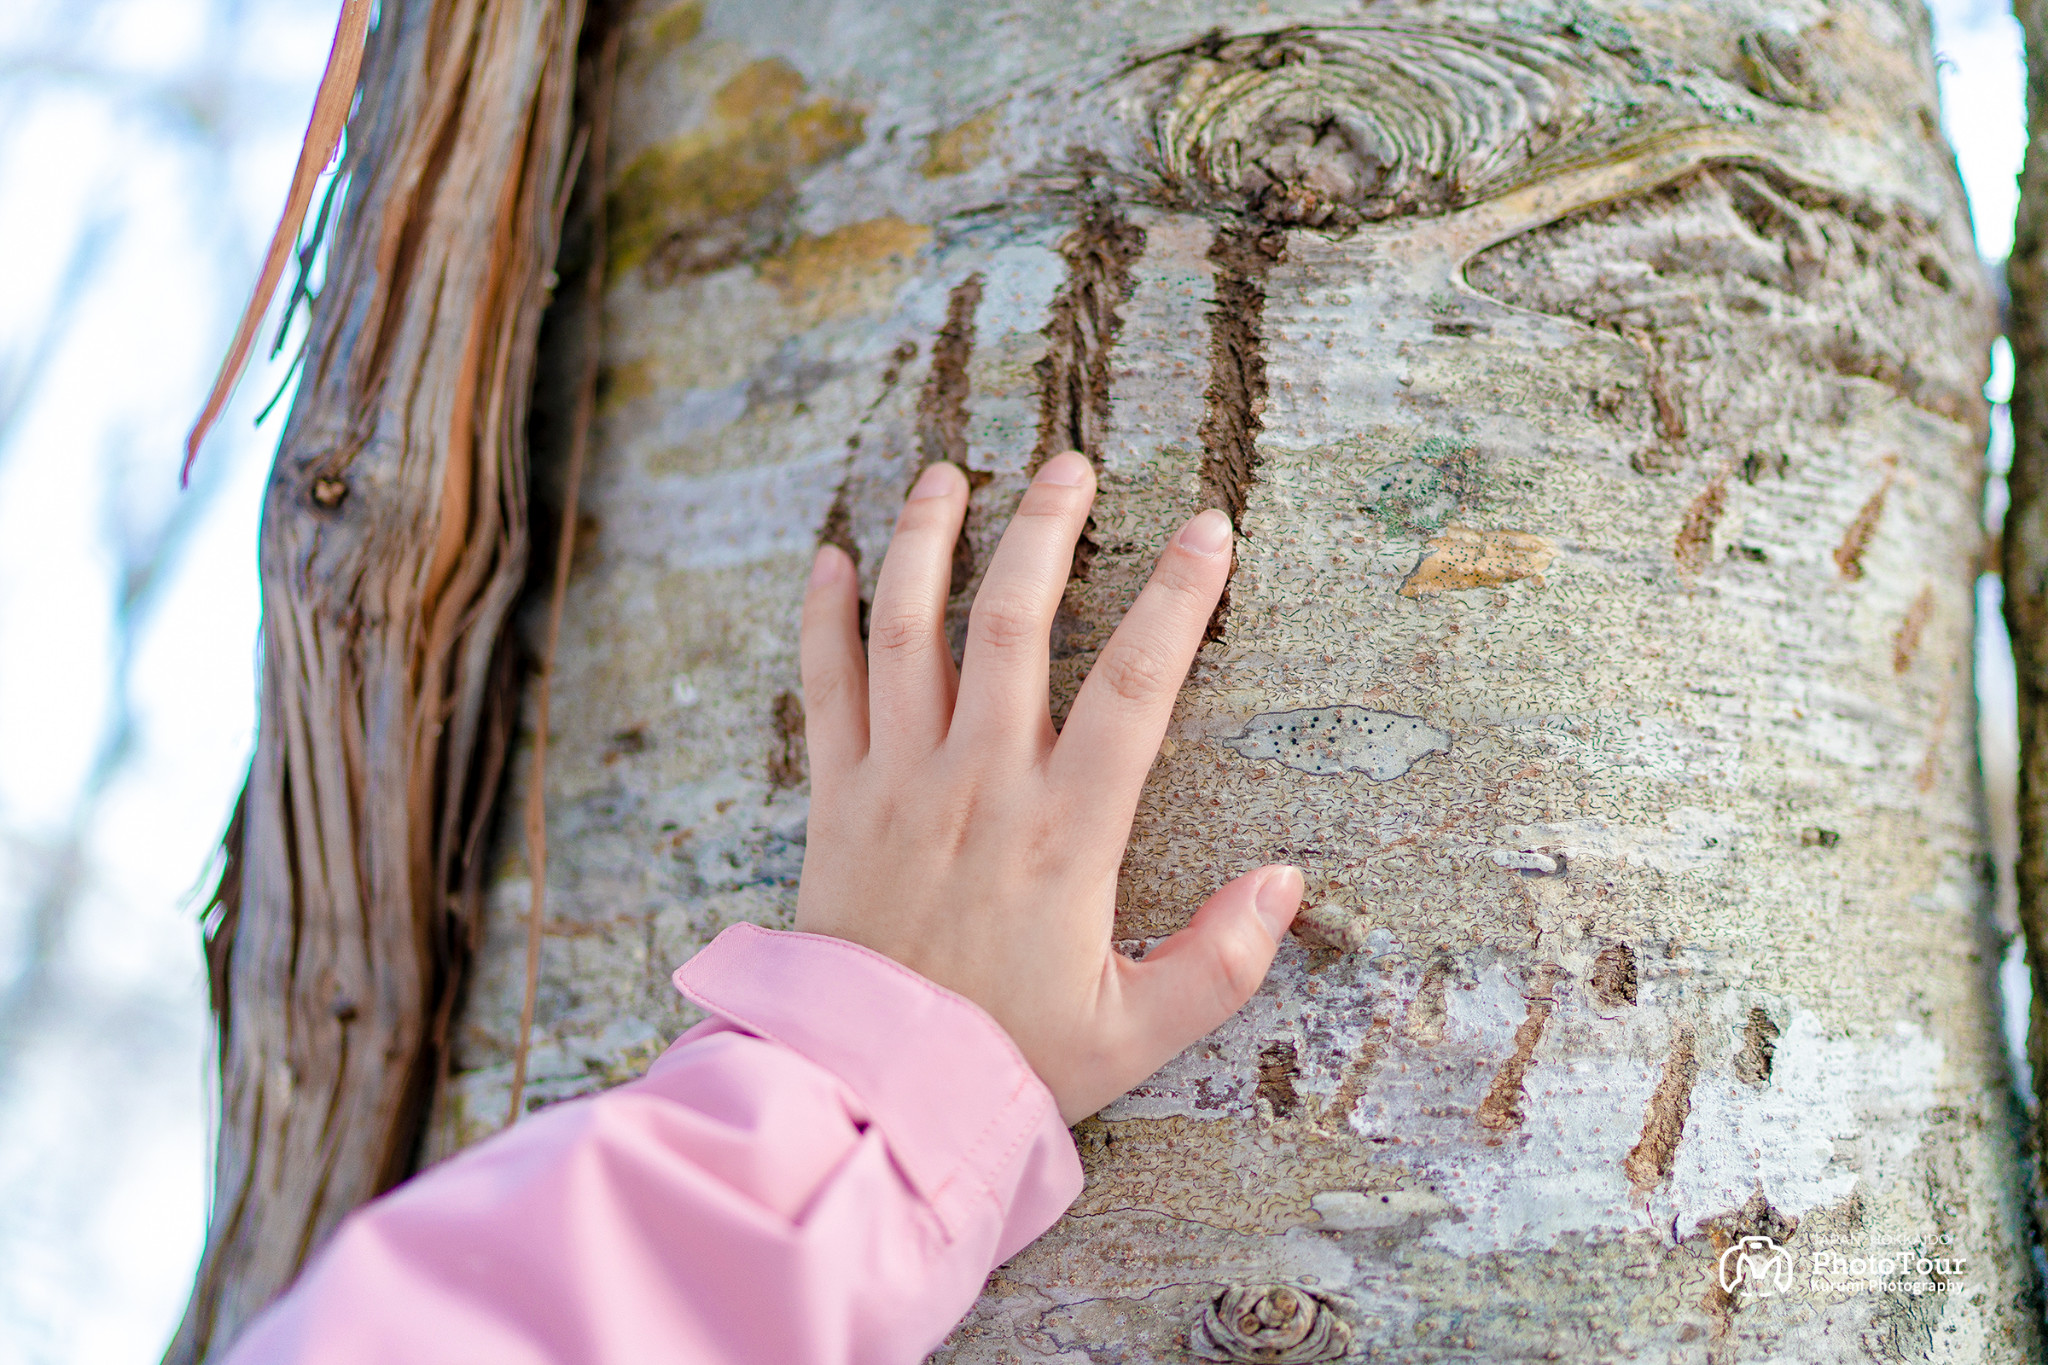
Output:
x=323 y=134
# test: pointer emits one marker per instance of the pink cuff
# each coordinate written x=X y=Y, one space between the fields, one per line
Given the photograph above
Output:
x=965 y=1118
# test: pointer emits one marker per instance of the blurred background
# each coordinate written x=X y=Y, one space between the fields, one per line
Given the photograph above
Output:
x=145 y=148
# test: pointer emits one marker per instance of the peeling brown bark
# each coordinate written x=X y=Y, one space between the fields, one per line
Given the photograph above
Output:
x=2025 y=538
x=394 y=543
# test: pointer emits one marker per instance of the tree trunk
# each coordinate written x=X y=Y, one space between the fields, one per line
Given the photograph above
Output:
x=2025 y=543
x=393 y=548
x=1599 y=404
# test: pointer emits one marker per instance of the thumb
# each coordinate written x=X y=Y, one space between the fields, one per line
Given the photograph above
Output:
x=1193 y=981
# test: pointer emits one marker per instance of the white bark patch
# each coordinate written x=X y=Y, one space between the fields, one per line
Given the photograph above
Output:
x=1335 y=739
x=1690 y=837
x=1836 y=1110
x=1352 y=1211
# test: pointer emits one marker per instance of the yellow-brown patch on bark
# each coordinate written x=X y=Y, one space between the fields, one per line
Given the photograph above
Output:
x=768 y=86
x=959 y=149
x=686 y=201
x=676 y=26
x=849 y=268
x=1460 y=557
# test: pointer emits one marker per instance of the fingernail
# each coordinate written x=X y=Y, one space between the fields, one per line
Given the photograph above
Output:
x=1276 y=900
x=935 y=480
x=1207 y=533
x=1069 y=468
x=825 y=565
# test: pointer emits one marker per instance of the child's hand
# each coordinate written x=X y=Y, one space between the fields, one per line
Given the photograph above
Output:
x=954 y=830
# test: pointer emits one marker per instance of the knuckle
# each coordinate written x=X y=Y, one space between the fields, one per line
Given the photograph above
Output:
x=1050 y=500
x=900 y=635
x=1173 y=576
x=824 y=688
x=924 y=514
x=1004 y=623
x=1131 y=673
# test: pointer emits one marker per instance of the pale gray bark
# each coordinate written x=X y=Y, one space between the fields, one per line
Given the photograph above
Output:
x=1598 y=390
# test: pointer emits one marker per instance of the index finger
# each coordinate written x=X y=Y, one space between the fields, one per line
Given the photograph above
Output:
x=1118 y=717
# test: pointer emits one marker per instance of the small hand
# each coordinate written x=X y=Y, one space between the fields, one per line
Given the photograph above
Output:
x=954 y=830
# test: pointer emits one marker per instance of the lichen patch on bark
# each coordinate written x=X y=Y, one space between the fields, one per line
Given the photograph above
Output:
x=1338 y=739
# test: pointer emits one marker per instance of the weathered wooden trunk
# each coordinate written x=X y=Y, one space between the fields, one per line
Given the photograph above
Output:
x=393 y=550
x=1597 y=388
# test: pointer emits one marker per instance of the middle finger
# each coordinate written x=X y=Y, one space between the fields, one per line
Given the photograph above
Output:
x=1003 y=688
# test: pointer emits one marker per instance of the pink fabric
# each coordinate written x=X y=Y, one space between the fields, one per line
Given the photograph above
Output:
x=824 y=1171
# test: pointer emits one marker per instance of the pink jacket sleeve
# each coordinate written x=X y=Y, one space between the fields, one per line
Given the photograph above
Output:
x=824 y=1171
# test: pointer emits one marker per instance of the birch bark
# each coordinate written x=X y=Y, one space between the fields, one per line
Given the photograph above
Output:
x=1597 y=391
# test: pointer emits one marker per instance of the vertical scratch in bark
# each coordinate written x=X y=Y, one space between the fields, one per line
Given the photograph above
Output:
x=1235 y=401
x=1906 y=642
x=1080 y=334
x=1502 y=1107
x=786 y=750
x=1650 y=1162
x=1759 y=1044
x=1855 y=540
x=1236 y=397
x=942 y=403
x=942 y=408
x=1694 y=546
x=1425 y=1021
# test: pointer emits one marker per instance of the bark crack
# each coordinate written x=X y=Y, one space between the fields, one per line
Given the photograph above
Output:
x=1080 y=334
x=1501 y=1110
x=1651 y=1161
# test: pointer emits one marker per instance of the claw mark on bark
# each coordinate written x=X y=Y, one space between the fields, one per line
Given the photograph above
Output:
x=1759 y=1042
x=1695 y=543
x=1614 y=976
x=1356 y=1072
x=1855 y=540
x=942 y=405
x=1650 y=1162
x=1080 y=334
x=1073 y=377
x=1278 y=1066
x=786 y=753
x=1930 y=765
x=1235 y=401
x=1502 y=1107
x=1664 y=457
x=1425 y=1022
x=1906 y=643
x=838 y=525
